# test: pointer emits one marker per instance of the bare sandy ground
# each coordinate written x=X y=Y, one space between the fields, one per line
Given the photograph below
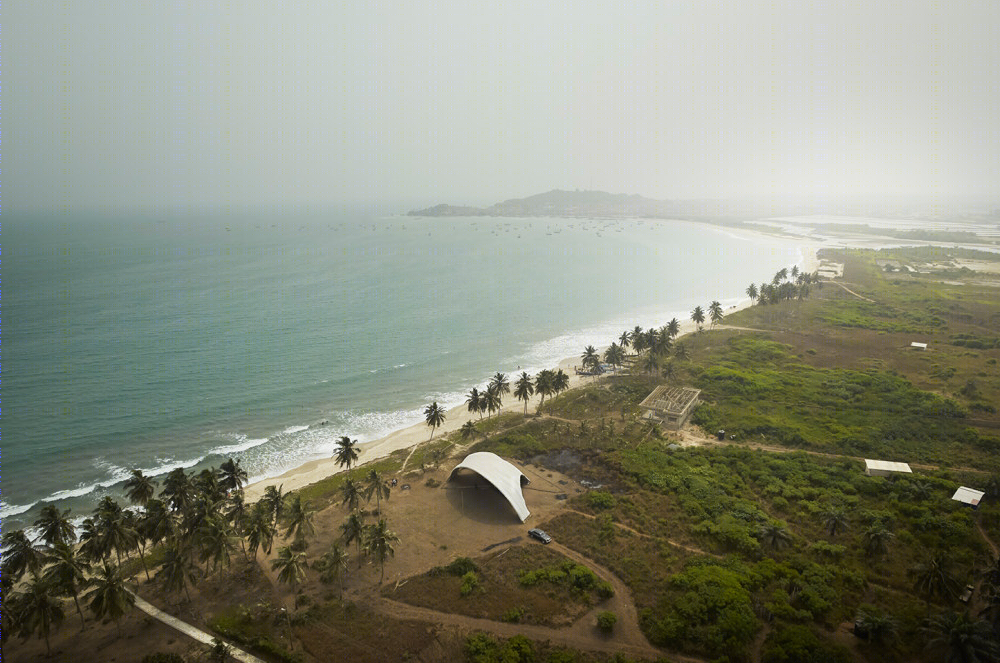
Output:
x=405 y=438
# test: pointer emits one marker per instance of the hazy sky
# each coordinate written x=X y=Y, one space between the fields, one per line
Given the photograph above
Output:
x=211 y=101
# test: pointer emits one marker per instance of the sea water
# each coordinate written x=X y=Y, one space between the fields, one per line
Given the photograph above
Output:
x=157 y=342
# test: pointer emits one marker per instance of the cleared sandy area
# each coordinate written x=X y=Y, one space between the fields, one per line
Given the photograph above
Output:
x=405 y=438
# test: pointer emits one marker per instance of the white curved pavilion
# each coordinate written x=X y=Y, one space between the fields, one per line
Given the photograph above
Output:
x=505 y=477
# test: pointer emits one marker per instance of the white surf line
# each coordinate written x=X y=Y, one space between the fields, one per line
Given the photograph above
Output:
x=189 y=630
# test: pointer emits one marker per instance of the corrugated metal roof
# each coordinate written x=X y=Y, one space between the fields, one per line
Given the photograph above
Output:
x=968 y=495
x=504 y=476
x=886 y=466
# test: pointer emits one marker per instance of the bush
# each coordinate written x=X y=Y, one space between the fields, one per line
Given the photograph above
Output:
x=470 y=581
x=605 y=590
x=512 y=616
x=606 y=621
x=600 y=499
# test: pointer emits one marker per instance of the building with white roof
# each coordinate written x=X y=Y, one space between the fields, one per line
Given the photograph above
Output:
x=969 y=496
x=883 y=468
x=505 y=477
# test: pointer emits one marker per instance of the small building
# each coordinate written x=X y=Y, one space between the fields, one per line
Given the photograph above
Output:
x=670 y=405
x=918 y=346
x=504 y=476
x=884 y=468
x=969 y=496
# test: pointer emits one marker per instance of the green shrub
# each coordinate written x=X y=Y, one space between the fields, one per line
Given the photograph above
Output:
x=600 y=499
x=512 y=616
x=470 y=581
x=605 y=590
x=606 y=621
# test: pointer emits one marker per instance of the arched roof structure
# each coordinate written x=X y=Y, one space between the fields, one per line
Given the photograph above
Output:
x=504 y=476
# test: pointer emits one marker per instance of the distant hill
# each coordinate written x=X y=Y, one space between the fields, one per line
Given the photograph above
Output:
x=566 y=203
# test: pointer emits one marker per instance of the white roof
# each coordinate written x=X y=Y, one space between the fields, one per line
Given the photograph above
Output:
x=887 y=466
x=968 y=495
x=914 y=344
x=504 y=476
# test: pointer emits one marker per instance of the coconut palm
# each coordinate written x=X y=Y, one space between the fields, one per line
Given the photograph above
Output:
x=795 y=271
x=673 y=327
x=37 y=610
x=333 y=565
x=500 y=385
x=752 y=292
x=474 y=402
x=237 y=513
x=623 y=340
x=434 y=416
x=490 y=402
x=232 y=477
x=116 y=533
x=156 y=522
x=65 y=572
x=378 y=544
x=668 y=371
x=715 y=312
x=353 y=529
x=139 y=488
x=590 y=358
x=651 y=363
x=524 y=388
x=698 y=317
x=177 y=490
x=178 y=569
x=614 y=355
x=346 y=453
x=290 y=566
x=560 y=381
x=275 y=499
x=91 y=546
x=207 y=484
x=775 y=536
x=468 y=430
x=299 y=519
x=19 y=555
x=132 y=523
x=376 y=485
x=933 y=578
x=215 y=540
x=961 y=639
x=260 y=529
x=109 y=597
x=639 y=340
x=834 y=520
x=875 y=540
x=681 y=351
x=878 y=628
x=544 y=384
x=350 y=493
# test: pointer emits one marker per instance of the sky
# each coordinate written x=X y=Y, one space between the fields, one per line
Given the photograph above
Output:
x=134 y=103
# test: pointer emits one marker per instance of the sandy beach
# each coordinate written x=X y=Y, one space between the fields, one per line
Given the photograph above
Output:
x=405 y=438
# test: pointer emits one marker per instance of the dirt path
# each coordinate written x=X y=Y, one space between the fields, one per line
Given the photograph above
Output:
x=758 y=642
x=852 y=292
x=993 y=546
x=583 y=634
x=189 y=630
x=676 y=544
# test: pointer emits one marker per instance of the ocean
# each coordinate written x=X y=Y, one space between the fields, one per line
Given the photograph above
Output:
x=158 y=342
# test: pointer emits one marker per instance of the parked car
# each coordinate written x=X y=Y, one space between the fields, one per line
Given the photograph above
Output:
x=536 y=533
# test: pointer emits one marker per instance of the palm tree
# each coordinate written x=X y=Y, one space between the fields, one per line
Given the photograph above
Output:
x=490 y=402
x=55 y=525
x=614 y=355
x=378 y=544
x=933 y=577
x=544 y=385
x=961 y=639
x=177 y=490
x=468 y=430
x=207 y=483
x=560 y=381
x=346 y=452
x=775 y=536
x=19 y=555
x=681 y=351
x=91 y=546
x=132 y=524
x=501 y=385
x=715 y=311
x=698 y=317
x=474 y=402
x=673 y=327
x=260 y=529
x=377 y=486
x=651 y=364
x=300 y=518
x=590 y=358
x=109 y=597
x=156 y=523
x=669 y=371
x=623 y=340
x=215 y=538
x=115 y=532
x=333 y=565
x=139 y=488
x=232 y=476
x=291 y=565
x=65 y=572
x=37 y=610
x=237 y=515
x=875 y=540
x=353 y=529
x=434 y=416
x=752 y=292
x=274 y=498
x=524 y=388
x=177 y=570
x=638 y=340
x=834 y=520
x=795 y=271
x=878 y=628
x=350 y=492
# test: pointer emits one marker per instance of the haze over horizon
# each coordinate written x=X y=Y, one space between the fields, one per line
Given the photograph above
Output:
x=119 y=104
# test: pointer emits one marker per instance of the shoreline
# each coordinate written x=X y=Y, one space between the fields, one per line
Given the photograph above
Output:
x=405 y=438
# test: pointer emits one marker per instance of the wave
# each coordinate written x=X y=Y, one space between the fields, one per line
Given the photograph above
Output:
x=294 y=429
x=8 y=510
x=242 y=444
